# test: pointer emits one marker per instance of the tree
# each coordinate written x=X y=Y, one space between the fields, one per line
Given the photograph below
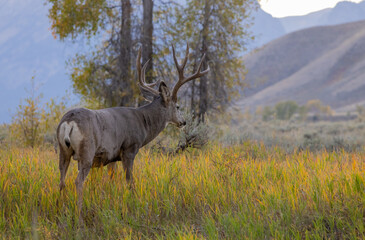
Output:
x=212 y=27
x=285 y=110
x=267 y=114
x=147 y=37
x=104 y=77
x=219 y=30
x=317 y=108
x=34 y=124
x=26 y=121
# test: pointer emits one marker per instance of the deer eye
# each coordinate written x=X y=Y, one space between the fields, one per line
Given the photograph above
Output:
x=177 y=107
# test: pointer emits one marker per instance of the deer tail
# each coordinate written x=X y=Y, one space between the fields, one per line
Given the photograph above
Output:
x=68 y=131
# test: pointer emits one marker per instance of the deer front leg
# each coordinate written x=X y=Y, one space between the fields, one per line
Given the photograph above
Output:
x=128 y=159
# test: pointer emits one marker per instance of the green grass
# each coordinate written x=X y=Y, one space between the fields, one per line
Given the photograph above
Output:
x=244 y=191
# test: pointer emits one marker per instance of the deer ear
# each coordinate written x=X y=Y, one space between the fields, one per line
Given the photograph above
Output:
x=147 y=95
x=164 y=92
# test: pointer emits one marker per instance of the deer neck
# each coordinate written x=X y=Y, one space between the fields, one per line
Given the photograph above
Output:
x=154 y=118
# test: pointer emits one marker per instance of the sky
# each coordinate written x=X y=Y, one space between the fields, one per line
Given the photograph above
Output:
x=284 y=8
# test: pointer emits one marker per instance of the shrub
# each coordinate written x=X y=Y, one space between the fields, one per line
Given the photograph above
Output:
x=267 y=114
x=195 y=134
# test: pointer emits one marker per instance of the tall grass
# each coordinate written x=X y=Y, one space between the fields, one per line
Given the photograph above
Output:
x=239 y=192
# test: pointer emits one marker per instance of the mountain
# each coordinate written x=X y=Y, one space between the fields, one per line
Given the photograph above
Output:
x=343 y=12
x=265 y=28
x=27 y=48
x=326 y=63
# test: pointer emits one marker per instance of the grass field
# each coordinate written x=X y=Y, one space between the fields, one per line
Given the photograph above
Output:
x=240 y=192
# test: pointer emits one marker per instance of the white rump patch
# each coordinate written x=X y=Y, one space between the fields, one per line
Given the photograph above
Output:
x=70 y=132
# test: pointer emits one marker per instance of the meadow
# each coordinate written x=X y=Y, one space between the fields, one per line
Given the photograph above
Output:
x=242 y=191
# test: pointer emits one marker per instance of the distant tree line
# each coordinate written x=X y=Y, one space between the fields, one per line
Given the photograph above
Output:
x=289 y=109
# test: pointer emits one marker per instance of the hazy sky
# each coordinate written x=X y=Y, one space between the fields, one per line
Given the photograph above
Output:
x=283 y=8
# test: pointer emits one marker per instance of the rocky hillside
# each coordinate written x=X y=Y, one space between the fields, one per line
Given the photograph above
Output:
x=326 y=63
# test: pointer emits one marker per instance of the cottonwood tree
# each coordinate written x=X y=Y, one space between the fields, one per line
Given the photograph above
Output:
x=105 y=76
x=220 y=29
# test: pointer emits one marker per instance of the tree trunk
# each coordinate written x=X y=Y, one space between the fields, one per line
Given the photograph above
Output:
x=192 y=100
x=147 y=34
x=125 y=52
x=203 y=87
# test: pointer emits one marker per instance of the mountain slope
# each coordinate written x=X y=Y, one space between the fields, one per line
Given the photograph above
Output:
x=265 y=28
x=326 y=63
x=343 y=12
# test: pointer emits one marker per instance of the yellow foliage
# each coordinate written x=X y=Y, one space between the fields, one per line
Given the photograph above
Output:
x=33 y=124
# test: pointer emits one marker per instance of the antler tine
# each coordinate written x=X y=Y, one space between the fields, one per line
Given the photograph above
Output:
x=180 y=68
x=138 y=63
x=182 y=79
x=144 y=78
x=186 y=56
x=198 y=73
x=142 y=73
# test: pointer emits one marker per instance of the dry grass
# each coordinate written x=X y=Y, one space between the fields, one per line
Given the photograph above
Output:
x=242 y=191
x=293 y=135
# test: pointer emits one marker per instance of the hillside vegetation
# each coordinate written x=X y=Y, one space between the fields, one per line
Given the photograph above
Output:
x=243 y=191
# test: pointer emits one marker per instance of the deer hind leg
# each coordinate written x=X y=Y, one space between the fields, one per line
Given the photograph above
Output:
x=64 y=162
x=84 y=167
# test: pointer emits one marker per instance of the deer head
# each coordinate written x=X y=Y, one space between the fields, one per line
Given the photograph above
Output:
x=168 y=98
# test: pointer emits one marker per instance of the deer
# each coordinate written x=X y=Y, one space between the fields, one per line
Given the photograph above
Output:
x=96 y=138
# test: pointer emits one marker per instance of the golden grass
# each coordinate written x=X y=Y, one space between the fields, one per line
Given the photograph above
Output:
x=243 y=191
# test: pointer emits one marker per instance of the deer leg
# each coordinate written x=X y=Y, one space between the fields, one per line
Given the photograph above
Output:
x=64 y=162
x=83 y=172
x=128 y=158
x=79 y=184
x=84 y=167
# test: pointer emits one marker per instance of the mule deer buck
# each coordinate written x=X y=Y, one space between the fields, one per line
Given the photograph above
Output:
x=95 y=138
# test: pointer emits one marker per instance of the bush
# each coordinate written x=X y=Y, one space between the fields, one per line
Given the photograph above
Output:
x=267 y=114
x=195 y=134
x=312 y=142
x=285 y=110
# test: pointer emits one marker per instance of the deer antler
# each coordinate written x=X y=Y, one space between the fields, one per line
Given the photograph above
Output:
x=141 y=75
x=180 y=69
